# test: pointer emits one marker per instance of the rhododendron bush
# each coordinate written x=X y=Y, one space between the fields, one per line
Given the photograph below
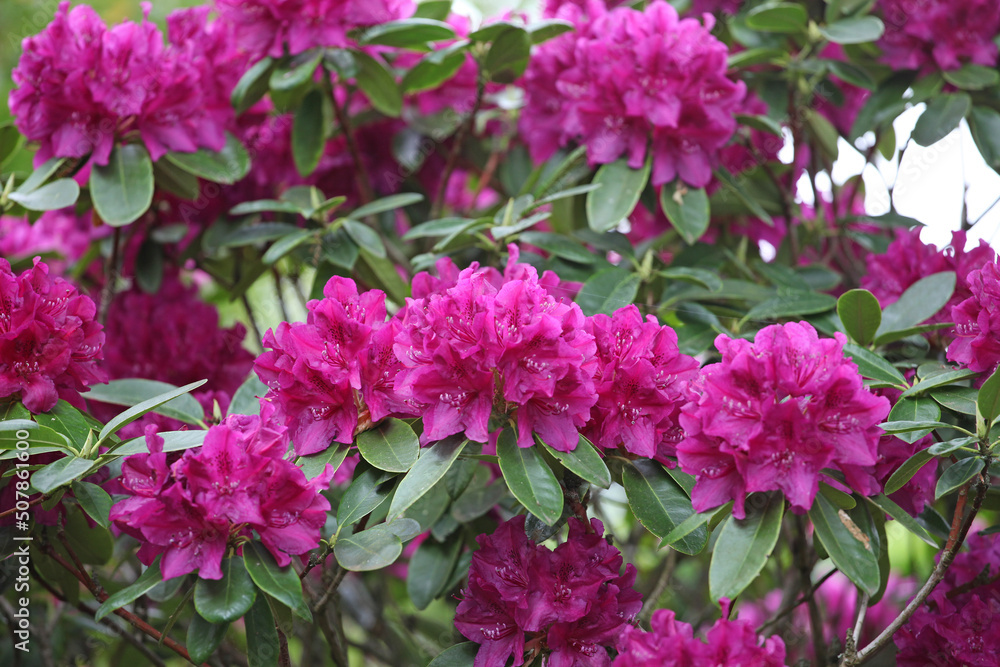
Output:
x=373 y=333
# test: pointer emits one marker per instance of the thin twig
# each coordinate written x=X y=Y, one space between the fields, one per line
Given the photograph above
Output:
x=661 y=585
x=463 y=130
x=795 y=605
x=364 y=181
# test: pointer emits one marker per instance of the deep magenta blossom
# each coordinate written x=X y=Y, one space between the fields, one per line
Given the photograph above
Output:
x=977 y=322
x=314 y=369
x=573 y=601
x=173 y=336
x=270 y=27
x=81 y=86
x=773 y=414
x=960 y=623
x=642 y=381
x=214 y=498
x=50 y=340
x=939 y=34
x=671 y=643
x=627 y=79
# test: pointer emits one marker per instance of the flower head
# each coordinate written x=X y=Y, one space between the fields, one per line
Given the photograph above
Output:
x=50 y=341
x=977 y=322
x=773 y=414
x=939 y=34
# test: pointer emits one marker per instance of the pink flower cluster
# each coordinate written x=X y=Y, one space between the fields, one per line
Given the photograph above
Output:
x=50 y=342
x=172 y=336
x=574 y=601
x=276 y=27
x=773 y=414
x=627 y=79
x=211 y=498
x=960 y=624
x=642 y=381
x=977 y=322
x=62 y=232
x=472 y=347
x=932 y=35
x=83 y=86
x=672 y=643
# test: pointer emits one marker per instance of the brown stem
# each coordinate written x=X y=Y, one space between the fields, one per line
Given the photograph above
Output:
x=955 y=541
x=463 y=130
x=805 y=578
x=788 y=609
x=330 y=591
x=37 y=500
x=284 y=659
x=362 y=176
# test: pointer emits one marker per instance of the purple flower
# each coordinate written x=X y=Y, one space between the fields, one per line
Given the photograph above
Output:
x=773 y=414
x=939 y=34
x=50 y=341
x=977 y=322
x=642 y=382
x=574 y=600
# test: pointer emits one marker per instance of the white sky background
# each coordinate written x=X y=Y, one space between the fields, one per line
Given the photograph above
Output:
x=930 y=184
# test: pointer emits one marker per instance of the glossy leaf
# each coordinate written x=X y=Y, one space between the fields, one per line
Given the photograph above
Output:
x=660 y=504
x=783 y=17
x=308 y=132
x=432 y=465
x=939 y=380
x=988 y=400
x=94 y=500
x=58 y=194
x=861 y=315
x=371 y=549
x=584 y=461
x=848 y=546
x=460 y=655
x=618 y=195
x=122 y=190
x=529 y=478
x=853 y=30
x=60 y=472
x=262 y=635
x=743 y=547
x=139 y=409
x=686 y=209
x=393 y=446
x=369 y=489
x=204 y=638
x=886 y=504
x=378 y=84
x=957 y=475
x=132 y=391
x=226 y=599
x=874 y=367
x=252 y=85
x=430 y=570
x=314 y=464
x=411 y=32
x=608 y=290
x=920 y=301
x=914 y=410
x=145 y=583
x=942 y=115
x=281 y=583
x=227 y=166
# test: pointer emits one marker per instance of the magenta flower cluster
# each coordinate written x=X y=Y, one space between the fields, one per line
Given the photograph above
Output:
x=82 y=87
x=628 y=80
x=172 y=336
x=521 y=596
x=933 y=35
x=211 y=499
x=960 y=623
x=773 y=414
x=471 y=351
x=977 y=322
x=671 y=643
x=50 y=341
x=276 y=27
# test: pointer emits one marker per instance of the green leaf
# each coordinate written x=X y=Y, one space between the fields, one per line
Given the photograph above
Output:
x=825 y=133
x=618 y=195
x=949 y=446
x=92 y=544
x=743 y=547
x=437 y=10
x=204 y=638
x=58 y=194
x=853 y=30
x=10 y=141
x=529 y=478
x=460 y=655
x=281 y=583
x=701 y=277
x=914 y=410
x=413 y=32
x=430 y=570
x=145 y=583
x=861 y=315
x=608 y=290
x=309 y=131
x=173 y=441
x=432 y=465
x=365 y=237
x=874 y=367
x=371 y=549
x=298 y=72
x=60 y=472
x=262 y=635
x=132 y=391
x=857 y=76
x=251 y=86
x=559 y=246
x=385 y=276
x=756 y=56
x=919 y=302
x=227 y=599
x=958 y=399
x=378 y=84
x=149 y=266
x=543 y=31
x=432 y=71
x=227 y=166
x=848 y=546
x=479 y=497
x=393 y=446
x=64 y=418
x=939 y=380
x=313 y=465
x=584 y=461
x=94 y=500
x=286 y=244
x=139 y=409
x=903 y=426
x=661 y=504
x=42 y=174
x=688 y=526
x=791 y=303
x=942 y=115
x=784 y=17
x=957 y=475
x=984 y=123
x=988 y=401
x=735 y=185
x=972 y=77
x=886 y=504
x=368 y=490
x=508 y=56
x=390 y=203
x=686 y=209
x=122 y=190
